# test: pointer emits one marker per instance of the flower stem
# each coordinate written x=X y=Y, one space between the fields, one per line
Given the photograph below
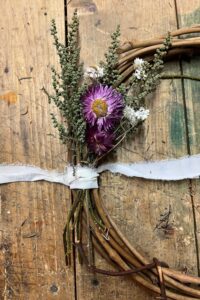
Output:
x=67 y=230
x=121 y=138
x=89 y=237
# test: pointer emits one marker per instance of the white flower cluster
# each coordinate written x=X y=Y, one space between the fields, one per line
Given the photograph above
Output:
x=135 y=116
x=94 y=72
x=139 y=70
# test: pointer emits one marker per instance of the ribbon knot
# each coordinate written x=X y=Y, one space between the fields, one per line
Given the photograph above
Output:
x=81 y=177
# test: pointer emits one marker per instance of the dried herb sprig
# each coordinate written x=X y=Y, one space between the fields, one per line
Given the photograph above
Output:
x=68 y=88
x=111 y=73
x=140 y=88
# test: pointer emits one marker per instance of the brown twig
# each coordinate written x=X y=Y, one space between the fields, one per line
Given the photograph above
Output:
x=180 y=46
x=179 y=287
x=182 y=31
x=114 y=273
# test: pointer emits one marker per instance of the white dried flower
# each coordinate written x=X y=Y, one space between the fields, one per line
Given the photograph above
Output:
x=138 y=63
x=142 y=114
x=129 y=113
x=139 y=70
x=94 y=72
x=135 y=116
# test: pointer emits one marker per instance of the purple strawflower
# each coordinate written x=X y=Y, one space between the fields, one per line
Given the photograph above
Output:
x=99 y=142
x=102 y=106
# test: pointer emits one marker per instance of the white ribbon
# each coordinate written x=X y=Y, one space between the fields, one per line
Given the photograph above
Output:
x=175 y=169
x=75 y=177
x=80 y=177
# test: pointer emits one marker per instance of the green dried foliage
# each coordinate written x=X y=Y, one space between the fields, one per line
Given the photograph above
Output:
x=111 y=74
x=137 y=89
x=68 y=87
x=140 y=88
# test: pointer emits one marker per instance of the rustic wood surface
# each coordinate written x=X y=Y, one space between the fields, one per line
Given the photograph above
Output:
x=188 y=14
x=32 y=215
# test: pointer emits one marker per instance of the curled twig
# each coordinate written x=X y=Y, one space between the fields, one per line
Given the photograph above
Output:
x=130 y=50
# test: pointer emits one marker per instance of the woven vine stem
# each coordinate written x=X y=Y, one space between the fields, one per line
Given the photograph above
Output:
x=139 y=44
x=116 y=255
x=111 y=251
x=184 y=46
x=123 y=265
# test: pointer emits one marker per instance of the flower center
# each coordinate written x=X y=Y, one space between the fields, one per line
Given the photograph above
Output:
x=100 y=107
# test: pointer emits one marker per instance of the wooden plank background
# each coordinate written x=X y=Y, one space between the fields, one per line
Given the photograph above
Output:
x=32 y=215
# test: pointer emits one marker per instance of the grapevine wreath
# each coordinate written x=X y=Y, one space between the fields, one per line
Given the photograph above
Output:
x=101 y=107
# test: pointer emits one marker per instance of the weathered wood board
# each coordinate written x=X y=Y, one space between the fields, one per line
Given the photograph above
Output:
x=188 y=13
x=32 y=215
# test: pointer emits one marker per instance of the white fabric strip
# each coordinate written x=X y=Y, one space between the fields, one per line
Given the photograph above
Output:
x=75 y=178
x=86 y=178
x=16 y=173
x=174 y=169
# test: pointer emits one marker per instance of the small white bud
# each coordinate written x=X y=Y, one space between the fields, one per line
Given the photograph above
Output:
x=94 y=72
x=139 y=70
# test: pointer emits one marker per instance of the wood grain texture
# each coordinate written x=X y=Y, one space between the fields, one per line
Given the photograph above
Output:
x=32 y=215
x=138 y=206
x=189 y=14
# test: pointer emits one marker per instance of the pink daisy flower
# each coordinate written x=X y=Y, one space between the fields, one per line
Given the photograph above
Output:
x=102 y=106
x=99 y=142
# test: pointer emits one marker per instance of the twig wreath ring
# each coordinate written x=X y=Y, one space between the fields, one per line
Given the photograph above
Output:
x=100 y=108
